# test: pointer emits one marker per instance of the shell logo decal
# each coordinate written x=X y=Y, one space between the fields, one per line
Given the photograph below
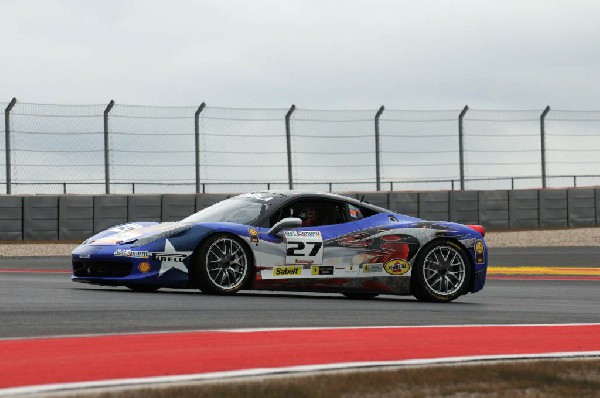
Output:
x=479 y=247
x=144 y=267
x=397 y=267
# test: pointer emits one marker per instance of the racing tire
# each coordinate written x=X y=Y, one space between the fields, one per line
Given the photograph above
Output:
x=223 y=265
x=143 y=288
x=442 y=272
x=360 y=296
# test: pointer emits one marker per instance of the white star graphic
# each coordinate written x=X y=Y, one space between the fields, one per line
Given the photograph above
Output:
x=171 y=258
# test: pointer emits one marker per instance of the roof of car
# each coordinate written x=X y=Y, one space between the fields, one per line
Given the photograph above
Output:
x=294 y=193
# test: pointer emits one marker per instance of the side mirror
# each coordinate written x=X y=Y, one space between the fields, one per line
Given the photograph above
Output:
x=285 y=223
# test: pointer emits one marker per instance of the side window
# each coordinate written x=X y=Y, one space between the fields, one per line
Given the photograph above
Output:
x=313 y=213
x=359 y=212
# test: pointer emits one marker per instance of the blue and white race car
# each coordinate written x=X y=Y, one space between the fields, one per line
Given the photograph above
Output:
x=294 y=241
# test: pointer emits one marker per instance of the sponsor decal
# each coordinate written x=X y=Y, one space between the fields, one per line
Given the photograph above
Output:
x=376 y=267
x=303 y=247
x=321 y=270
x=257 y=196
x=171 y=257
x=302 y=234
x=144 y=267
x=300 y=261
x=126 y=227
x=253 y=235
x=287 y=271
x=397 y=267
x=479 y=250
x=131 y=253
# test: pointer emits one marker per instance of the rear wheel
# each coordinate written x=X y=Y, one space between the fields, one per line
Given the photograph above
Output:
x=222 y=265
x=360 y=296
x=442 y=272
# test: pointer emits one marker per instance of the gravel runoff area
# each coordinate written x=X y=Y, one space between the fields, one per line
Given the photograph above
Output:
x=554 y=237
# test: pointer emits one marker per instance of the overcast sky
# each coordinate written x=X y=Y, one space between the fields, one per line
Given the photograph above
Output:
x=316 y=54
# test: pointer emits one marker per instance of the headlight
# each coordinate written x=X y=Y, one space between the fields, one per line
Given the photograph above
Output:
x=148 y=239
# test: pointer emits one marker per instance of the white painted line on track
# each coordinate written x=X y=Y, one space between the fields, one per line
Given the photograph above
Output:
x=233 y=375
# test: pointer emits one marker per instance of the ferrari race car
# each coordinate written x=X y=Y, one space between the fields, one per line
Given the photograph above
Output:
x=292 y=241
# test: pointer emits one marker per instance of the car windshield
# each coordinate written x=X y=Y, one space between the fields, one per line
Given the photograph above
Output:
x=239 y=210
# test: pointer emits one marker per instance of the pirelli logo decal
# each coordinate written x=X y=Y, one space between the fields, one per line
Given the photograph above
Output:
x=288 y=271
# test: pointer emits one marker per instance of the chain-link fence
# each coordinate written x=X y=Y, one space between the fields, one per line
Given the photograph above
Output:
x=113 y=148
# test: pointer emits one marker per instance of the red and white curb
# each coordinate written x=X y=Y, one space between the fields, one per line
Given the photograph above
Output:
x=38 y=365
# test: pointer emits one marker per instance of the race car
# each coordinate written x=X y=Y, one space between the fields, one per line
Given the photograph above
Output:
x=290 y=241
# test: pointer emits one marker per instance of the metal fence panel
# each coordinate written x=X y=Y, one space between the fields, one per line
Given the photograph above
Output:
x=3 y=106
x=501 y=145
x=11 y=217
x=573 y=148
x=582 y=207
x=152 y=149
x=76 y=217
x=40 y=218
x=57 y=147
x=333 y=147
x=419 y=149
x=242 y=149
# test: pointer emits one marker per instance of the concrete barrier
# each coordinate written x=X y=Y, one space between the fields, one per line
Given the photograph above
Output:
x=11 y=217
x=434 y=206
x=76 y=217
x=40 y=218
x=581 y=207
x=523 y=209
x=553 y=209
x=109 y=210
x=464 y=207
x=493 y=209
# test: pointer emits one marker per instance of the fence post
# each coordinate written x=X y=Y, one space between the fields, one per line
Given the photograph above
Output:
x=543 y=143
x=377 y=155
x=106 y=159
x=461 y=150
x=7 y=143
x=197 y=142
x=288 y=136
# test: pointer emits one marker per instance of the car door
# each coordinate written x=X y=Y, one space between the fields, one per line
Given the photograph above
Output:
x=318 y=249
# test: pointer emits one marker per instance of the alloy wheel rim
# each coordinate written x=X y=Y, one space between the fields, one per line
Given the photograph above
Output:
x=226 y=263
x=444 y=270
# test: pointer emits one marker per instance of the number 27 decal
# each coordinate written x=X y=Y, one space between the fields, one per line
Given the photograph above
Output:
x=303 y=247
x=300 y=249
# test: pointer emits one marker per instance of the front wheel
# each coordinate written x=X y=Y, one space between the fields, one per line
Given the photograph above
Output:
x=222 y=265
x=442 y=272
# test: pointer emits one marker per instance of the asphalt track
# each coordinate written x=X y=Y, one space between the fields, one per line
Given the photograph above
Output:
x=552 y=310
x=47 y=303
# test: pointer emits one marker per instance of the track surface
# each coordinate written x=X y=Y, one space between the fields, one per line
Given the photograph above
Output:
x=48 y=304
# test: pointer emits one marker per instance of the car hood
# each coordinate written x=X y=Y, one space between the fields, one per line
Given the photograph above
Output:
x=131 y=232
